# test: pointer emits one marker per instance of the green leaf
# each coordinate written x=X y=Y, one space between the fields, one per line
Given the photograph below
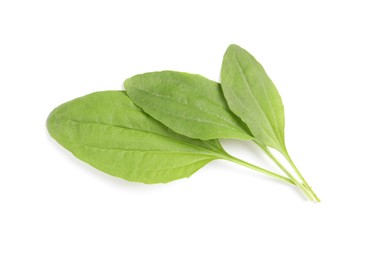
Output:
x=108 y=131
x=253 y=97
x=189 y=104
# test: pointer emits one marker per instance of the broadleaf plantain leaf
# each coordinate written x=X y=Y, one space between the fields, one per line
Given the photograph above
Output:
x=253 y=97
x=189 y=104
x=108 y=131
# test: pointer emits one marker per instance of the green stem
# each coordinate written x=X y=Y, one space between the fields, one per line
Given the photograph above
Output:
x=303 y=187
x=259 y=169
x=289 y=159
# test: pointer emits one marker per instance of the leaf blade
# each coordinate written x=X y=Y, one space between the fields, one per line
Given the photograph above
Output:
x=253 y=97
x=108 y=131
x=189 y=104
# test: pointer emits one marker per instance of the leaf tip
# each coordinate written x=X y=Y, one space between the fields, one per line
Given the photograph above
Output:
x=51 y=123
x=233 y=47
x=127 y=84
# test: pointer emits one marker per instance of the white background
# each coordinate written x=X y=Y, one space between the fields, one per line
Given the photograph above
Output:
x=318 y=53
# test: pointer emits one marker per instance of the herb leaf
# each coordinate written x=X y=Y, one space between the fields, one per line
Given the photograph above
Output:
x=189 y=104
x=253 y=97
x=108 y=131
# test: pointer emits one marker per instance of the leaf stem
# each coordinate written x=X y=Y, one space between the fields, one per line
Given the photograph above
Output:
x=303 y=187
x=259 y=169
x=289 y=159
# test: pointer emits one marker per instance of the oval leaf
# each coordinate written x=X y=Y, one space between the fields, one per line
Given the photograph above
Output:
x=108 y=131
x=253 y=97
x=189 y=104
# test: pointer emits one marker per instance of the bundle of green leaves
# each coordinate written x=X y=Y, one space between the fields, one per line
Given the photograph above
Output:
x=167 y=125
